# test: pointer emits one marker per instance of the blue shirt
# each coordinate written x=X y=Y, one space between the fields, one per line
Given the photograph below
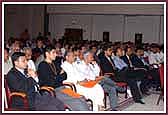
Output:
x=119 y=63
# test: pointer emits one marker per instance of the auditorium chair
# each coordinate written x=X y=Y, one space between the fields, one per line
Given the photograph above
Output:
x=120 y=84
x=10 y=95
x=161 y=72
x=73 y=87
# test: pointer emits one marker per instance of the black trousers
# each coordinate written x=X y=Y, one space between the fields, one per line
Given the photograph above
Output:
x=123 y=76
x=140 y=75
x=40 y=102
x=154 y=73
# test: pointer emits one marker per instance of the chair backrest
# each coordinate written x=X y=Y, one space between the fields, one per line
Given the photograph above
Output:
x=9 y=96
x=161 y=72
x=7 y=93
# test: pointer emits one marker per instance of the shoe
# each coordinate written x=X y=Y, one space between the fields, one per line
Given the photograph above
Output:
x=121 y=89
x=139 y=101
x=158 y=89
x=129 y=93
x=146 y=93
x=114 y=110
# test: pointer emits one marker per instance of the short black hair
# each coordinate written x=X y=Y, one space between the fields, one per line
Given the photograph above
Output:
x=75 y=49
x=15 y=56
x=7 y=49
x=106 y=47
x=126 y=48
x=48 y=48
x=116 y=49
x=139 y=48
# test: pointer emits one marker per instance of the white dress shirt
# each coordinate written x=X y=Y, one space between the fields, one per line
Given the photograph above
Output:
x=7 y=65
x=79 y=71
x=155 y=58
x=72 y=74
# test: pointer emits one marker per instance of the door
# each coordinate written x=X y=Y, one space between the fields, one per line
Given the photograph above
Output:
x=73 y=35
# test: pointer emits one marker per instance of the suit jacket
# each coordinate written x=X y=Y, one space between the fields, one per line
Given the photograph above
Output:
x=125 y=59
x=17 y=82
x=106 y=65
x=47 y=77
x=137 y=62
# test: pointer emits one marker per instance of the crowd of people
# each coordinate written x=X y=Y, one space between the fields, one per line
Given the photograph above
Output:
x=94 y=67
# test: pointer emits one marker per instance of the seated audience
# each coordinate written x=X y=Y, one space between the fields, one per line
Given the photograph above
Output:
x=133 y=73
x=86 y=73
x=49 y=76
x=28 y=55
x=138 y=62
x=92 y=66
x=39 y=49
x=119 y=74
x=19 y=81
x=7 y=61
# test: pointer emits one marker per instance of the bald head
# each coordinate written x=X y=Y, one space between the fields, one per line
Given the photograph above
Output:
x=70 y=57
x=88 y=56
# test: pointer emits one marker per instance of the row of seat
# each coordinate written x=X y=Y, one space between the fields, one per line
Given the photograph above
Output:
x=10 y=95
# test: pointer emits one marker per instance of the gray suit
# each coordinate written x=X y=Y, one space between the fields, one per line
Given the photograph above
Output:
x=110 y=87
x=75 y=104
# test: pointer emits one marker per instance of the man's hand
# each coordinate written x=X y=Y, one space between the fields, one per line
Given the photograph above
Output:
x=62 y=71
x=32 y=73
x=99 y=78
x=81 y=82
x=110 y=74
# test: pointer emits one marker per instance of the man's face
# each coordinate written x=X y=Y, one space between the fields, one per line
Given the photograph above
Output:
x=70 y=58
x=154 y=50
x=129 y=51
x=119 y=52
x=16 y=48
x=53 y=54
x=81 y=55
x=94 y=49
x=39 y=43
x=140 y=52
x=21 y=63
x=58 y=51
x=6 y=55
x=28 y=54
x=83 y=49
x=77 y=53
x=109 y=51
x=90 y=57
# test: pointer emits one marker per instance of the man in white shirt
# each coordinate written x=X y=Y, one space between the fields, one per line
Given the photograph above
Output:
x=80 y=78
x=88 y=67
x=30 y=63
x=7 y=61
x=156 y=56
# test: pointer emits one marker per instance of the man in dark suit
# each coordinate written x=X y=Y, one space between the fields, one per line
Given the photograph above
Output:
x=126 y=57
x=108 y=66
x=139 y=74
x=19 y=81
x=138 y=62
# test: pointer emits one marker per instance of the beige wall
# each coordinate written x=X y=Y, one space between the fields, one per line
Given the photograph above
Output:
x=19 y=17
x=93 y=19
x=107 y=9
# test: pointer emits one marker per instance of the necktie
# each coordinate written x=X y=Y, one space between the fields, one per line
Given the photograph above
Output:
x=129 y=61
x=36 y=86
x=112 y=63
x=25 y=73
